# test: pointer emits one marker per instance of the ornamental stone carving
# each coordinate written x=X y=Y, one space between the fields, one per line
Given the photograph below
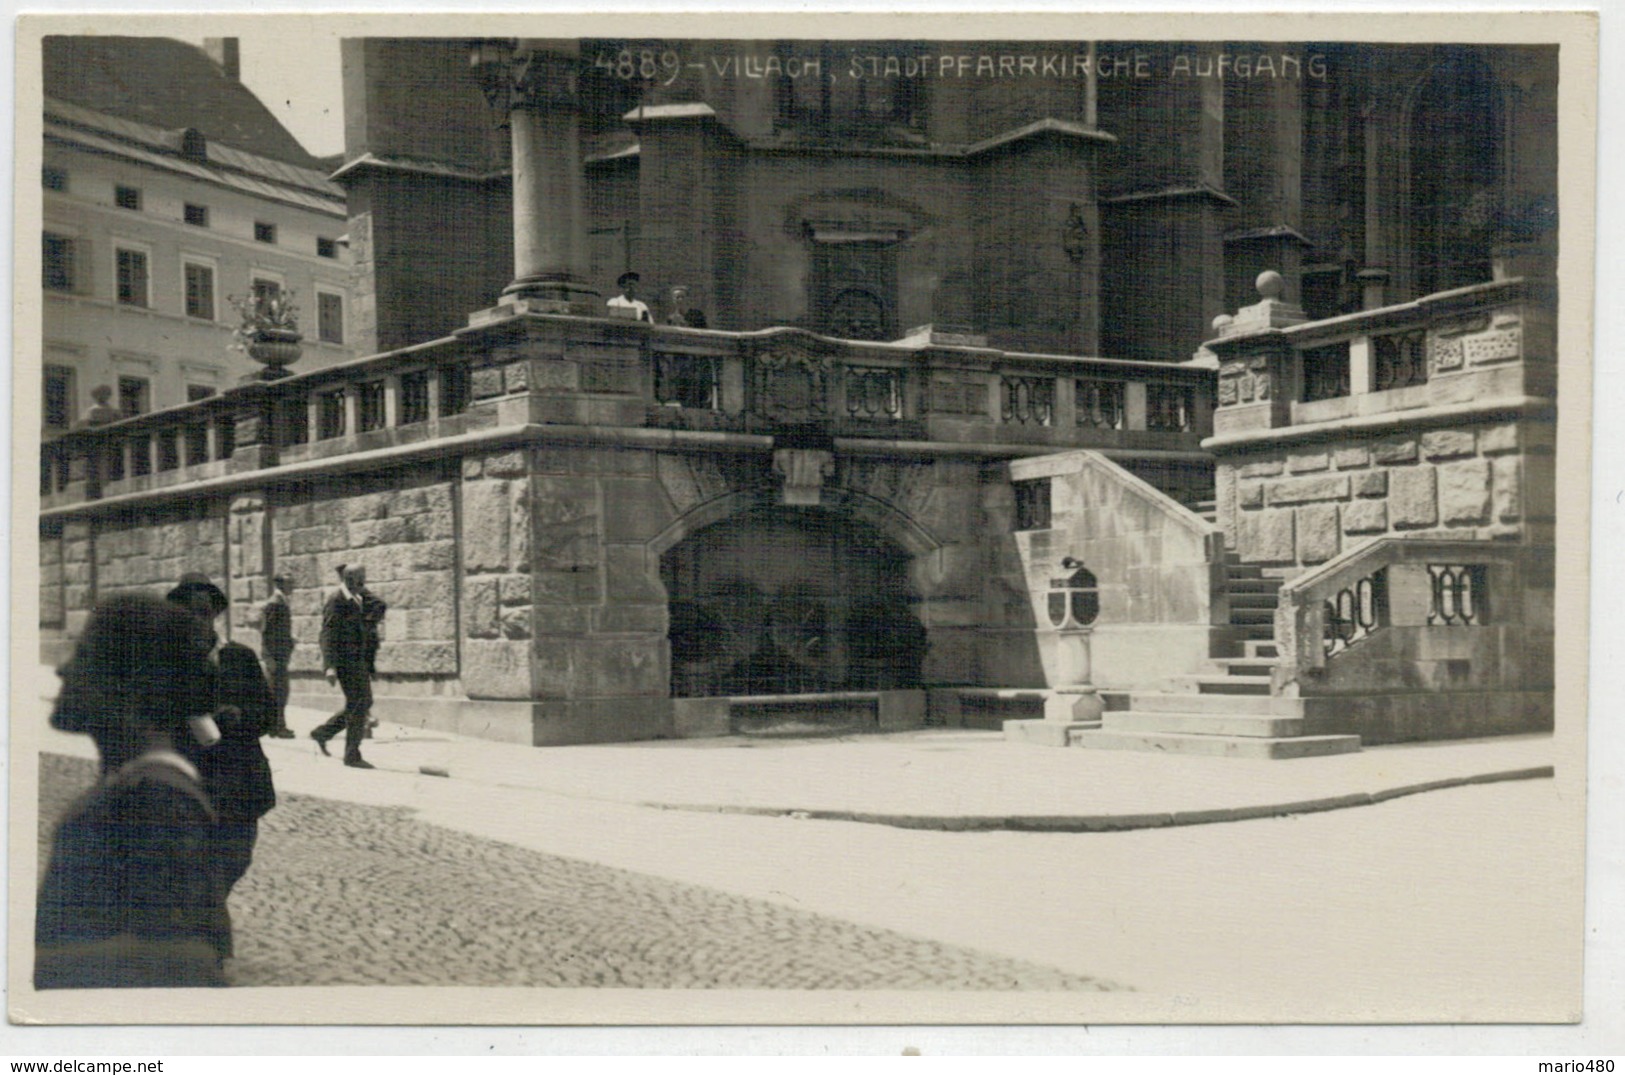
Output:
x=792 y=385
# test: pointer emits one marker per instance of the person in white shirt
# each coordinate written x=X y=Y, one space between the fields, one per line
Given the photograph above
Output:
x=628 y=298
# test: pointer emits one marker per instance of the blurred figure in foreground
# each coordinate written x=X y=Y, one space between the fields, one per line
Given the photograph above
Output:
x=130 y=898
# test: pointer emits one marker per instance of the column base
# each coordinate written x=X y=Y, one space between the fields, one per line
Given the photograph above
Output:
x=551 y=287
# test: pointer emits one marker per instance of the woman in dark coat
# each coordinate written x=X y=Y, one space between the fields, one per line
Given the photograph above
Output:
x=130 y=898
x=235 y=771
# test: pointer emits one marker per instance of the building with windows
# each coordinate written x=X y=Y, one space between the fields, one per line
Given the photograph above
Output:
x=170 y=191
x=1175 y=396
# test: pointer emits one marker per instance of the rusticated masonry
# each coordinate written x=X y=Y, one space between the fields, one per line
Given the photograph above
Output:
x=403 y=536
x=1303 y=507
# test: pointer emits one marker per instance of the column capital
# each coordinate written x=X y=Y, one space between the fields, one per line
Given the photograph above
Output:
x=533 y=74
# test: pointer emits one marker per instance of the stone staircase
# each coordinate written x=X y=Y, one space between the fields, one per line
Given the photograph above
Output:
x=1229 y=711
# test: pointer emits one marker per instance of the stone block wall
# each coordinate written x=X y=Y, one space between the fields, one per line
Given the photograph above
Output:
x=51 y=600
x=146 y=553
x=403 y=535
x=1295 y=505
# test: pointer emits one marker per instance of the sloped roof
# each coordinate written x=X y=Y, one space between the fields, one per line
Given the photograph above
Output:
x=252 y=174
x=168 y=84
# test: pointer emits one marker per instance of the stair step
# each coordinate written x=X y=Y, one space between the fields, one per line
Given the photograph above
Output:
x=1270 y=601
x=1247 y=666
x=1261 y=649
x=1247 y=685
x=1192 y=702
x=1302 y=746
x=1252 y=617
x=1257 y=585
x=1255 y=726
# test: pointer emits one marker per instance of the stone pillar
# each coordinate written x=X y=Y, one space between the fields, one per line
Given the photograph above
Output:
x=247 y=565
x=537 y=86
x=562 y=614
x=78 y=574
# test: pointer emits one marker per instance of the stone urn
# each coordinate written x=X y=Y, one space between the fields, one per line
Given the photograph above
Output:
x=275 y=349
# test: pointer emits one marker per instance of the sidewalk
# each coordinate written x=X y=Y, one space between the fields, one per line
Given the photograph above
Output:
x=944 y=779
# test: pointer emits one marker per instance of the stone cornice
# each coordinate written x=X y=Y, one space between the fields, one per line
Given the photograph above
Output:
x=1486 y=410
x=439 y=169
x=1171 y=194
x=678 y=440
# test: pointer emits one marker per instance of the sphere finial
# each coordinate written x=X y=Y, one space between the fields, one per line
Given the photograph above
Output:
x=1270 y=284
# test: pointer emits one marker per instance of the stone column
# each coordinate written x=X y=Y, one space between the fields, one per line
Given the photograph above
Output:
x=538 y=87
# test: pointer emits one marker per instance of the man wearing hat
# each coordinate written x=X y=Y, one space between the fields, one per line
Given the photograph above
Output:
x=628 y=298
x=235 y=772
x=276 y=649
x=348 y=633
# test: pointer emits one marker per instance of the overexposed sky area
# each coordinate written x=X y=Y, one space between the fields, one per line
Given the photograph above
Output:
x=294 y=70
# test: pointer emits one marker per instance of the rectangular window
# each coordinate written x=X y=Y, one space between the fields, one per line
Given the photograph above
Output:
x=329 y=317
x=134 y=396
x=263 y=232
x=58 y=397
x=127 y=197
x=1032 y=504
x=59 y=268
x=199 y=291
x=54 y=178
x=370 y=406
x=326 y=248
x=197 y=215
x=132 y=278
x=414 y=397
x=195 y=392
x=330 y=415
x=265 y=293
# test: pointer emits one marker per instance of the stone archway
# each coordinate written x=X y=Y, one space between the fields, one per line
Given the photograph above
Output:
x=775 y=600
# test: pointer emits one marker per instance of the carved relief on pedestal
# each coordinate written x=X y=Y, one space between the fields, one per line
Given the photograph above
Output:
x=1260 y=368
x=792 y=385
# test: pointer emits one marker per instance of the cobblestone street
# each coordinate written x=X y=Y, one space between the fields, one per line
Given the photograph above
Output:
x=347 y=894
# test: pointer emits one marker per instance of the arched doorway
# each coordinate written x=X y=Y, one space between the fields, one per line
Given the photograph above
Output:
x=784 y=601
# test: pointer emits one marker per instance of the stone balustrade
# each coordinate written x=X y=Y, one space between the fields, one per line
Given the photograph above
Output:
x=1451 y=636
x=1430 y=418
x=600 y=378
x=1277 y=369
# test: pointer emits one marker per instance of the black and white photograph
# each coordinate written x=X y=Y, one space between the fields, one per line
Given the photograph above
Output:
x=658 y=519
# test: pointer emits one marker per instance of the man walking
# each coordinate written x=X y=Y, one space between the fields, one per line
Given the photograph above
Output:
x=276 y=650
x=346 y=657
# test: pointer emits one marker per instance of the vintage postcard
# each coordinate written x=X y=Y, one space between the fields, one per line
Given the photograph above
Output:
x=561 y=520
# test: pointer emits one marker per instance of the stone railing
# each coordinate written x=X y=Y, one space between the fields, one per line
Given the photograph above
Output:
x=1405 y=614
x=603 y=378
x=1277 y=369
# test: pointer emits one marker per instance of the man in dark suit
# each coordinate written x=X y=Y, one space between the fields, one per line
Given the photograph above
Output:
x=276 y=650
x=235 y=774
x=347 y=654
